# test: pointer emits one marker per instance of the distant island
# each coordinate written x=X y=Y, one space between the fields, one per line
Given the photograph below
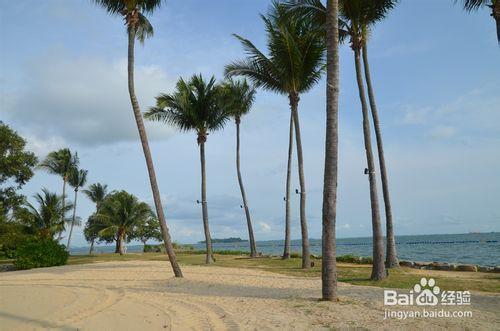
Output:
x=224 y=240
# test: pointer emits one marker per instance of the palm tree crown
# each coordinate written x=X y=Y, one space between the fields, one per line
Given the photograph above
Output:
x=96 y=193
x=195 y=105
x=133 y=13
x=46 y=220
x=295 y=61
x=77 y=178
x=238 y=96
x=60 y=162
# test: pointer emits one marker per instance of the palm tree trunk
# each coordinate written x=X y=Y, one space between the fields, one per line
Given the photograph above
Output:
x=328 y=247
x=120 y=247
x=204 y=209
x=91 y=250
x=378 y=269
x=147 y=154
x=286 y=251
x=495 y=8
x=63 y=215
x=306 y=258
x=253 y=249
x=72 y=221
x=391 y=259
x=117 y=246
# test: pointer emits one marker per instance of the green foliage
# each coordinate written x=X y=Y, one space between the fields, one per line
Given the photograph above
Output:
x=194 y=105
x=16 y=167
x=238 y=96
x=40 y=253
x=60 y=162
x=295 y=61
x=146 y=229
x=348 y=258
x=154 y=248
x=46 y=219
x=96 y=193
x=12 y=234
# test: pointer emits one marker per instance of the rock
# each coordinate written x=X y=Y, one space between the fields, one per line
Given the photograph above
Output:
x=496 y=269
x=7 y=267
x=419 y=264
x=485 y=269
x=441 y=266
x=406 y=263
x=466 y=267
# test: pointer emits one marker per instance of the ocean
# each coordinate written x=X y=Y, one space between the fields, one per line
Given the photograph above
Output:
x=473 y=248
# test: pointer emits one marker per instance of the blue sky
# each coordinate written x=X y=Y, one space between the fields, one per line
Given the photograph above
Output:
x=437 y=80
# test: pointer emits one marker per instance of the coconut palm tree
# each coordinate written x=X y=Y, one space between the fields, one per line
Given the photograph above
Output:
x=77 y=179
x=494 y=5
x=356 y=16
x=294 y=66
x=120 y=212
x=61 y=162
x=96 y=193
x=139 y=27
x=239 y=96
x=46 y=219
x=195 y=105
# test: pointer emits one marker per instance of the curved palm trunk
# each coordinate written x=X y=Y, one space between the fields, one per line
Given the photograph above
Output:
x=253 y=249
x=147 y=155
x=391 y=259
x=286 y=250
x=59 y=237
x=72 y=221
x=378 y=269
x=208 y=240
x=328 y=247
x=306 y=258
x=91 y=250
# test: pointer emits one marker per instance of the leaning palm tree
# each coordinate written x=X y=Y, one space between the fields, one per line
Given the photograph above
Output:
x=494 y=5
x=195 y=105
x=77 y=179
x=120 y=212
x=96 y=193
x=239 y=97
x=138 y=27
x=46 y=219
x=61 y=162
x=294 y=66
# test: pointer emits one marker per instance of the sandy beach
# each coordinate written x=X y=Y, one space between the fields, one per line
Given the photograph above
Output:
x=143 y=295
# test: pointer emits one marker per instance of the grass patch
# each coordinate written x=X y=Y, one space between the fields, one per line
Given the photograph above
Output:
x=358 y=274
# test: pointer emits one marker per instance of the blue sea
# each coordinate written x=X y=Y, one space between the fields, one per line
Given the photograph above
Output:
x=472 y=248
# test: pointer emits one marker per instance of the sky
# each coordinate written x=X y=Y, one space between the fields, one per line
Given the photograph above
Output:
x=436 y=75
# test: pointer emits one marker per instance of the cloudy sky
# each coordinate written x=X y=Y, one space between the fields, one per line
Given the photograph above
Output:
x=437 y=79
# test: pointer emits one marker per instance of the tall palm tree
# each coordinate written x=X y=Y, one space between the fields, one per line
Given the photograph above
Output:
x=195 y=105
x=355 y=18
x=61 y=162
x=138 y=27
x=294 y=66
x=77 y=179
x=494 y=5
x=46 y=219
x=96 y=193
x=239 y=97
x=120 y=212
x=328 y=247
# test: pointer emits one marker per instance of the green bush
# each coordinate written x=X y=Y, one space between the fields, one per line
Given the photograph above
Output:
x=40 y=253
x=349 y=258
x=154 y=248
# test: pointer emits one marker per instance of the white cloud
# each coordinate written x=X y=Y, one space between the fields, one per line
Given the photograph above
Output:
x=83 y=100
x=443 y=132
x=264 y=227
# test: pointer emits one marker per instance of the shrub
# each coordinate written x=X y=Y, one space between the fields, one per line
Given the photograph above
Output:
x=154 y=248
x=354 y=259
x=40 y=253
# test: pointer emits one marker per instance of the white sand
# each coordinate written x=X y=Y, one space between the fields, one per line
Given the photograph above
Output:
x=143 y=295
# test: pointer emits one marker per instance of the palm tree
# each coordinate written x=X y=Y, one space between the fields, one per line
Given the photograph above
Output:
x=61 y=162
x=239 y=96
x=294 y=65
x=46 y=220
x=120 y=212
x=195 y=105
x=494 y=5
x=355 y=18
x=96 y=193
x=139 y=27
x=77 y=179
x=328 y=247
